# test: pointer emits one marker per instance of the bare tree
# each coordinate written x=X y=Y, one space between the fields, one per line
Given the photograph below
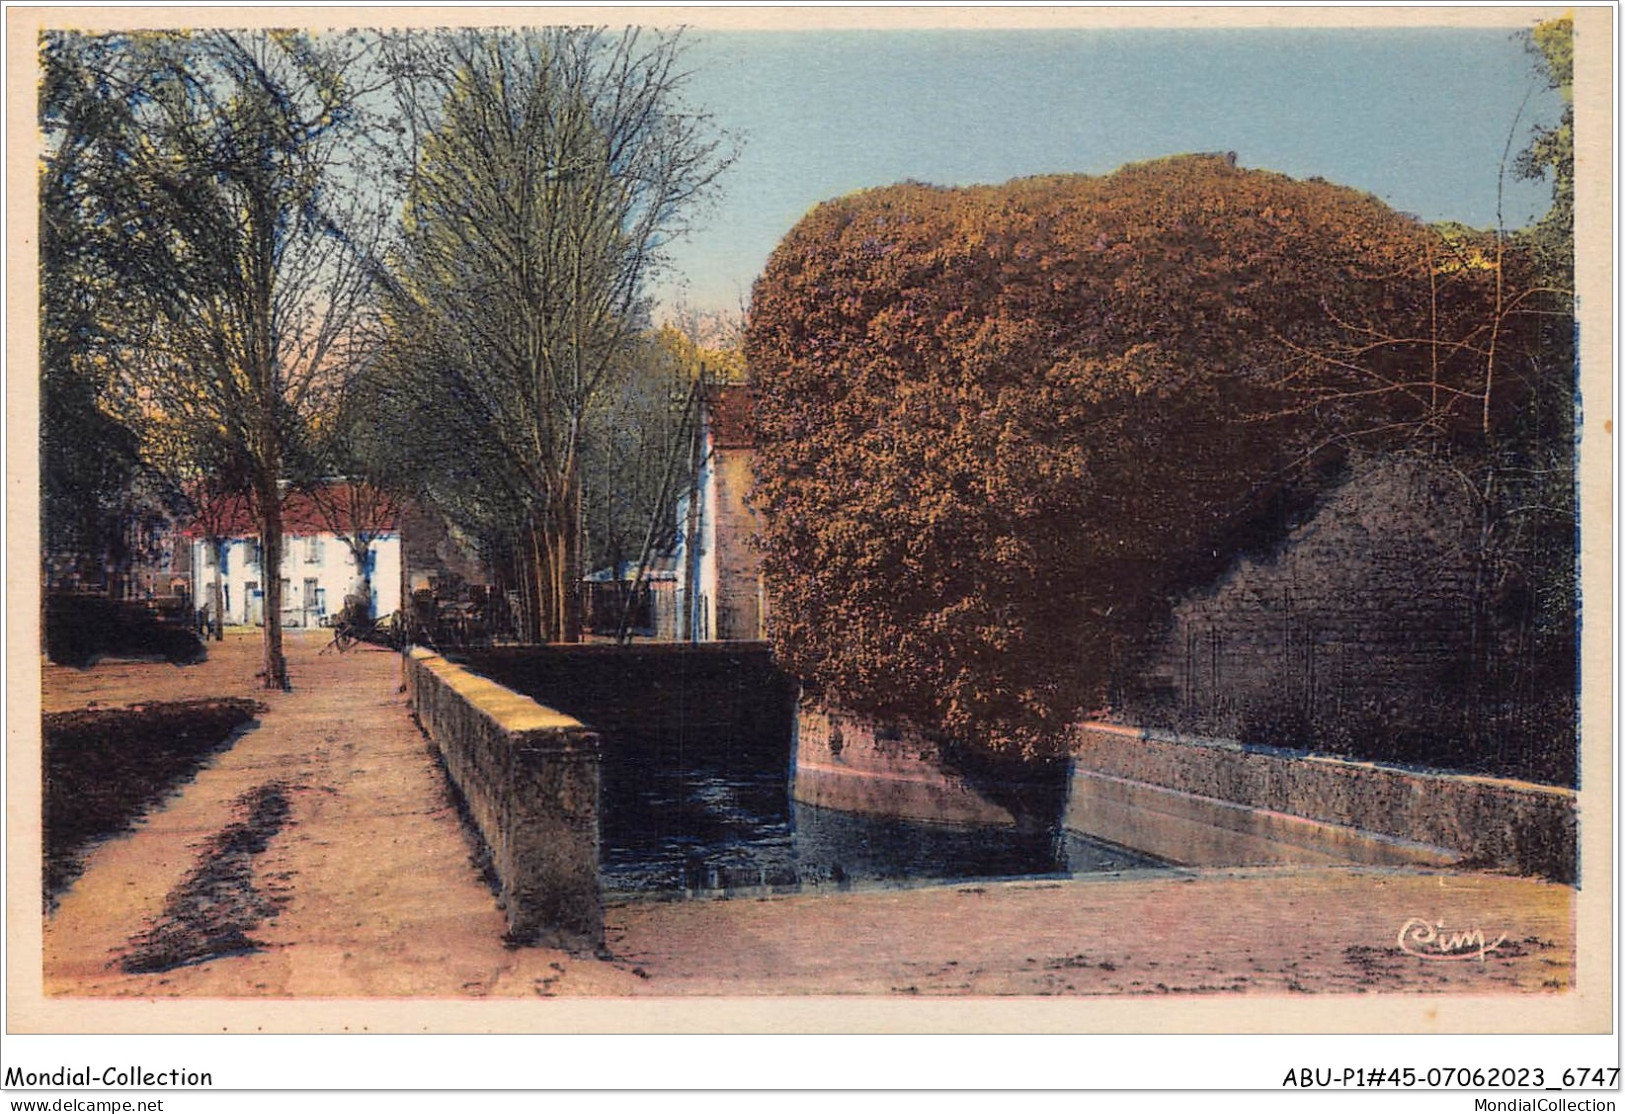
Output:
x=90 y=462
x=556 y=164
x=246 y=229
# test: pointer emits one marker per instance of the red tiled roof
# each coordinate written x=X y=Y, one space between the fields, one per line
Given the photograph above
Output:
x=341 y=505
x=733 y=418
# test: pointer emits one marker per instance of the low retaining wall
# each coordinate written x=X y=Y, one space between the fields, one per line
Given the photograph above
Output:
x=530 y=777
x=1203 y=798
x=854 y=764
x=841 y=762
x=1200 y=802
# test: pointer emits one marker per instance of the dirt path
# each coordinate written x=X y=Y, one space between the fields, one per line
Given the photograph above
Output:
x=374 y=896
x=369 y=871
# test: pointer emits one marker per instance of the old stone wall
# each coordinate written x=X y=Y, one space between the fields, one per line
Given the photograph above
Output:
x=1196 y=802
x=1357 y=635
x=1491 y=823
x=529 y=777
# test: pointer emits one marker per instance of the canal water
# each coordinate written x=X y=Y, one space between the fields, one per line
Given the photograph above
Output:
x=718 y=821
x=696 y=796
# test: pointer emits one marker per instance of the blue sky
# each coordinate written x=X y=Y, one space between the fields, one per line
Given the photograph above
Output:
x=1418 y=117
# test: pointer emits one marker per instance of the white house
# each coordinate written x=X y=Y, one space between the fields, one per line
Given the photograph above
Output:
x=707 y=585
x=719 y=578
x=320 y=569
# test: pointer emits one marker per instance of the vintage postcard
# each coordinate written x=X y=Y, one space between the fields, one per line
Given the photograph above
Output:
x=1089 y=522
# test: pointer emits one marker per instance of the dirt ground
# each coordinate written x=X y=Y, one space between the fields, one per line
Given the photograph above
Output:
x=365 y=888
x=105 y=768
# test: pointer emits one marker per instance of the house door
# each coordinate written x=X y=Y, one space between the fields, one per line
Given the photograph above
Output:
x=313 y=603
x=256 y=603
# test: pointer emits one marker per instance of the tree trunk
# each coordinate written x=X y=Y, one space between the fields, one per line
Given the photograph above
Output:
x=359 y=552
x=571 y=535
x=524 y=575
x=116 y=564
x=269 y=500
x=538 y=577
x=217 y=607
x=555 y=583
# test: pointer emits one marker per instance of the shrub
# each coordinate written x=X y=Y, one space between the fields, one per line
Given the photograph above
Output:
x=1001 y=428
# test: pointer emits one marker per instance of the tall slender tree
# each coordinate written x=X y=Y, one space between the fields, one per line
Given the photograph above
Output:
x=1550 y=153
x=222 y=160
x=555 y=166
x=89 y=462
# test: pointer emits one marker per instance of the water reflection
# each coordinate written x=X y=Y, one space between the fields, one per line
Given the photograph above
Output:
x=709 y=824
x=696 y=784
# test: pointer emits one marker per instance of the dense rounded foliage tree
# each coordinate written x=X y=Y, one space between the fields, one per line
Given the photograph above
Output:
x=1001 y=428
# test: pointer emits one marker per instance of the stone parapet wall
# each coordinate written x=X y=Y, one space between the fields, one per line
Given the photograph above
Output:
x=1490 y=823
x=1198 y=802
x=530 y=778
x=855 y=764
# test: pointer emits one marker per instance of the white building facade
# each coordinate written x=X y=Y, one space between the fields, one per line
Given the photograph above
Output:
x=719 y=578
x=707 y=586
x=319 y=572
x=320 y=569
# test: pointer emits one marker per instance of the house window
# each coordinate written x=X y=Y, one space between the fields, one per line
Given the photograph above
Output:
x=314 y=551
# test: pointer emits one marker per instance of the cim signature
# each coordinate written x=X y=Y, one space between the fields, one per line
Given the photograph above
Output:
x=1427 y=939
